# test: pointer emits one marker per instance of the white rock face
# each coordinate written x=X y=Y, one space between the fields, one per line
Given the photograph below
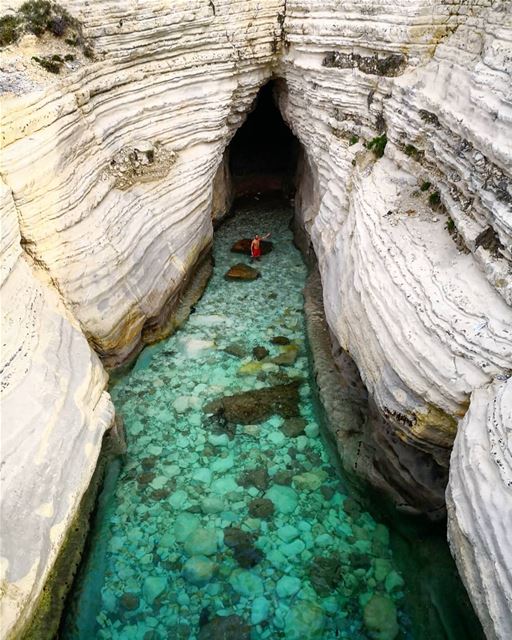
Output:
x=117 y=168
x=479 y=500
x=54 y=414
x=175 y=78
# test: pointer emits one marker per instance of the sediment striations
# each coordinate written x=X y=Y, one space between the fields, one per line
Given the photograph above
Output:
x=115 y=169
x=479 y=506
x=55 y=411
x=413 y=247
x=123 y=151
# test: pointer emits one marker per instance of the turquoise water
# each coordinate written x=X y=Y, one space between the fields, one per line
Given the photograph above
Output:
x=219 y=530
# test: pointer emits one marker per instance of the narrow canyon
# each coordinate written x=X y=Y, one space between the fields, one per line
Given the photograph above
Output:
x=187 y=456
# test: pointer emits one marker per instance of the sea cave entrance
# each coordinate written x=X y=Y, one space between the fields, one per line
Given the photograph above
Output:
x=263 y=154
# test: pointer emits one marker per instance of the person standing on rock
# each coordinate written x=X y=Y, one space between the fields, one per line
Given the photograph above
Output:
x=256 y=246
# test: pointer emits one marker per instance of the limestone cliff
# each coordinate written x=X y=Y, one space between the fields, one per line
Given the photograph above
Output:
x=479 y=506
x=54 y=414
x=111 y=167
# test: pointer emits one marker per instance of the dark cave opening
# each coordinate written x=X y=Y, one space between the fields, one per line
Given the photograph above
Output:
x=264 y=152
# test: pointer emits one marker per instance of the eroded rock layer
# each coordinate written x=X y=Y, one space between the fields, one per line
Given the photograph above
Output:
x=54 y=414
x=479 y=506
x=115 y=168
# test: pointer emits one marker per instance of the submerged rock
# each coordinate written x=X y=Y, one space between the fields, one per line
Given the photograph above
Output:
x=287 y=357
x=260 y=610
x=247 y=556
x=380 y=618
x=259 y=353
x=280 y=340
x=294 y=427
x=284 y=498
x=309 y=480
x=251 y=407
x=236 y=349
x=201 y=542
x=241 y=271
x=153 y=587
x=305 y=621
x=224 y=627
x=212 y=504
x=244 y=246
x=283 y=477
x=246 y=583
x=258 y=478
x=199 y=570
x=184 y=525
x=261 y=508
x=233 y=536
x=242 y=543
x=325 y=574
x=129 y=601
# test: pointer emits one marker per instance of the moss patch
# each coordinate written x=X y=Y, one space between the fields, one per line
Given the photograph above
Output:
x=377 y=145
x=40 y=17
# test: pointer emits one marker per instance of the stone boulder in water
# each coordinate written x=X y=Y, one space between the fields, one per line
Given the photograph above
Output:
x=223 y=627
x=252 y=407
x=241 y=271
x=244 y=246
x=305 y=621
x=380 y=618
x=325 y=574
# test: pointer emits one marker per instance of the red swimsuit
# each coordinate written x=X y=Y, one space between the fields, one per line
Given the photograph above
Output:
x=255 y=250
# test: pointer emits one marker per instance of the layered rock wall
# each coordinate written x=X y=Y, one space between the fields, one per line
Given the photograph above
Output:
x=55 y=411
x=115 y=169
x=112 y=166
x=108 y=172
x=406 y=293
x=479 y=501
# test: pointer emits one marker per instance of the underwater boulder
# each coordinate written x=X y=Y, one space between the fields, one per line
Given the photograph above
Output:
x=325 y=574
x=223 y=627
x=257 y=405
x=380 y=618
x=241 y=271
x=305 y=621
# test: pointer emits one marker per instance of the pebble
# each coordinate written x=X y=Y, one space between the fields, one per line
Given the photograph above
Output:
x=153 y=587
x=199 y=570
x=201 y=542
x=288 y=586
x=284 y=498
x=246 y=583
x=260 y=610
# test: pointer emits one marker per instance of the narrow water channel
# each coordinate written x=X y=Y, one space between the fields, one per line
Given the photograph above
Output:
x=216 y=530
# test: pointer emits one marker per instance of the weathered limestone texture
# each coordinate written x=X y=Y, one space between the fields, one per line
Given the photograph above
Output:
x=479 y=501
x=418 y=315
x=54 y=414
x=112 y=165
x=115 y=169
x=413 y=248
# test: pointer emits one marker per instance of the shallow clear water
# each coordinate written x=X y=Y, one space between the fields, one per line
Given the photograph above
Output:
x=179 y=538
